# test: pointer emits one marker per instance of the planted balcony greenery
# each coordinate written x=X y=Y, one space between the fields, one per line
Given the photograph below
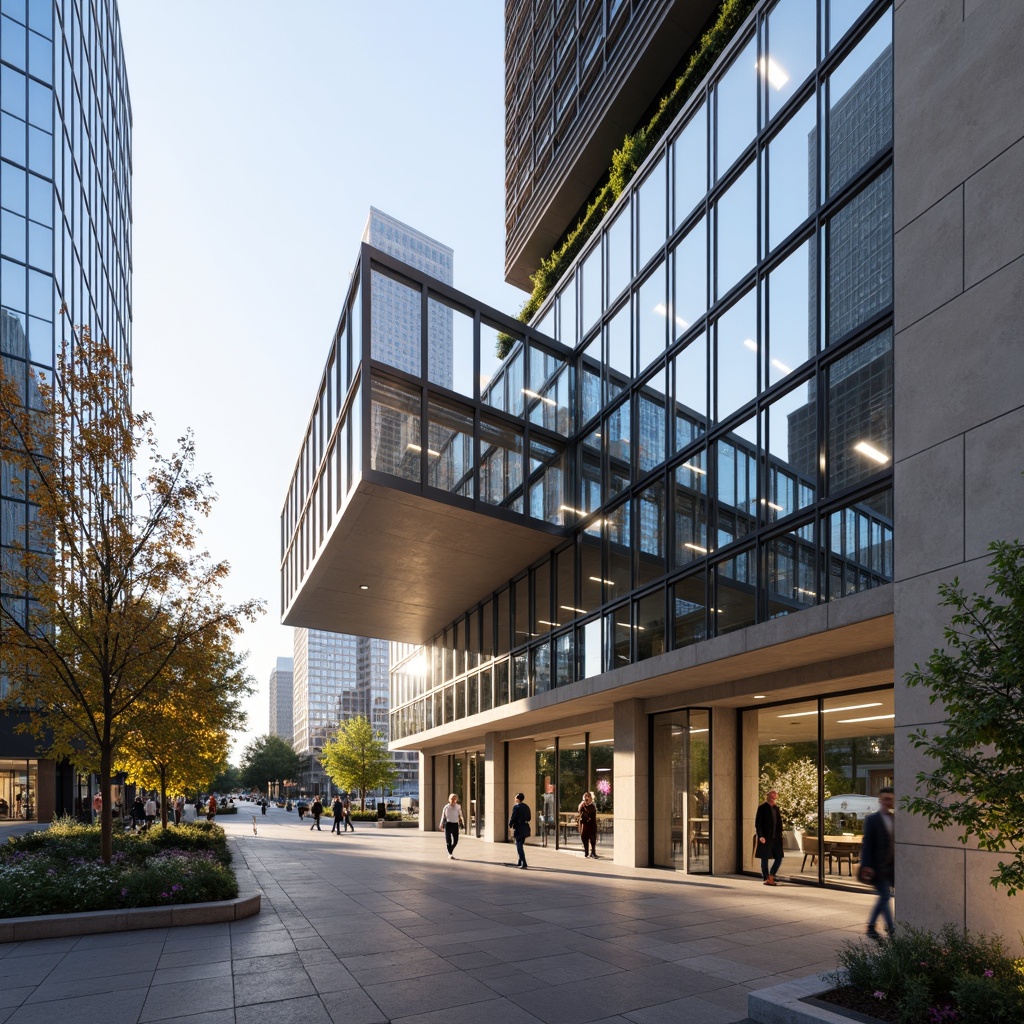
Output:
x=629 y=156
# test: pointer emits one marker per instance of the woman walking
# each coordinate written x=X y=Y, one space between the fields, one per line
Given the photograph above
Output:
x=588 y=824
x=451 y=819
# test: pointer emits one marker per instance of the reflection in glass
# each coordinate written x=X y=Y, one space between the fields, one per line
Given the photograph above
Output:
x=564 y=660
x=590 y=286
x=617 y=436
x=736 y=363
x=450 y=347
x=650 y=625
x=650 y=214
x=736 y=472
x=450 y=447
x=792 y=453
x=541 y=618
x=791 y=567
x=492 y=390
x=736 y=220
x=792 y=174
x=619 y=249
x=860 y=105
x=651 y=424
x=689 y=611
x=567 y=312
x=691 y=382
x=620 y=363
x=860 y=258
x=395 y=444
x=591 y=573
x=395 y=323
x=501 y=464
x=690 y=279
x=691 y=514
x=791 y=317
x=651 y=318
x=690 y=165
x=547 y=481
x=651 y=528
x=618 y=637
x=618 y=553
x=682 y=790
x=860 y=413
x=590 y=380
x=860 y=546
x=736 y=107
x=792 y=49
x=735 y=593
x=841 y=15
x=589 y=463
x=589 y=638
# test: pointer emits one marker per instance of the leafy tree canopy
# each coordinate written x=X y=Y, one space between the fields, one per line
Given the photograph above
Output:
x=269 y=759
x=110 y=598
x=978 y=778
x=358 y=759
x=796 y=782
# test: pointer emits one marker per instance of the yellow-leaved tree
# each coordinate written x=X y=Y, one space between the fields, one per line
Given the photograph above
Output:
x=109 y=599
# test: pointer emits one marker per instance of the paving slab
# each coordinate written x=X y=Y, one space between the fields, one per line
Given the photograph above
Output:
x=381 y=928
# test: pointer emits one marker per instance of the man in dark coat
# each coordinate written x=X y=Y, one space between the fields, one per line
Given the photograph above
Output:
x=519 y=823
x=316 y=809
x=768 y=825
x=877 y=859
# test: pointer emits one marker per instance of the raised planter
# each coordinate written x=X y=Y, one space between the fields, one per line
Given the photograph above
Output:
x=784 y=1004
x=397 y=824
x=50 y=926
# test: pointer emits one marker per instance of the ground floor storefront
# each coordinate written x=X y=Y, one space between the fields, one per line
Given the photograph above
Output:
x=678 y=787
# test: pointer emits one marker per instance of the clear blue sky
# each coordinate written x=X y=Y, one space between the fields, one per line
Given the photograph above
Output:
x=263 y=132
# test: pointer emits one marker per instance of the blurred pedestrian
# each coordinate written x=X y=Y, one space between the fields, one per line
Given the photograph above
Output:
x=179 y=808
x=338 y=814
x=346 y=804
x=150 y=811
x=878 y=860
x=138 y=813
x=519 y=823
x=587 y=824
x=211 y=808
x=451 y=820
x=316 y=809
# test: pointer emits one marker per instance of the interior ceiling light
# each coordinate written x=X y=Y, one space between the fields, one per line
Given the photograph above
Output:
x=696 y=547
x=363 y=586
x=779 y=365
x=750 y=343
x=871 y=452
x=873 y=718
x=759 y=696
x=832 y=711
x=694 y=469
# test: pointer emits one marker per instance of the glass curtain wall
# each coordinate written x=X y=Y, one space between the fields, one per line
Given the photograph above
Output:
x=827 y=758
x=18 y=785
x=681 y=813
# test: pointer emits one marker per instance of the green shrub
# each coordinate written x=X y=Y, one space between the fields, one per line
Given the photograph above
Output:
x=932 y=976
x=58 y=870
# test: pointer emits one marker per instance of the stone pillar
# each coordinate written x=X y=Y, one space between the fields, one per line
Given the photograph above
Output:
x=751 y=788
x=724 y=810
x=958 y=211
x=632 y=780
x=522 y=778
x=495 y=790
x=427 y=819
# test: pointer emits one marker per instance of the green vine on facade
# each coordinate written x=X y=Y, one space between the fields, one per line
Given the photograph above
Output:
x=628 y=158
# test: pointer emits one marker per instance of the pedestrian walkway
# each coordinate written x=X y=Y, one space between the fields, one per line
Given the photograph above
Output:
x=380 y=926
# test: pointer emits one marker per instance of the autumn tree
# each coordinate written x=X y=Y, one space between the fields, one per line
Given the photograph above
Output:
x=269 y=759
x=358 y=759
x=977 y=780
x=110 y=595
x=182 y=742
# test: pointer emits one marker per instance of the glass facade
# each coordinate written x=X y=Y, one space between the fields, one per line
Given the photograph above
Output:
x=713 y=429
x=65 y=198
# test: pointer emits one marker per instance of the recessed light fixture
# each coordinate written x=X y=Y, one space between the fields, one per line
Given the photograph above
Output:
x=759 y=696
x=363 y=586
x=871 y=452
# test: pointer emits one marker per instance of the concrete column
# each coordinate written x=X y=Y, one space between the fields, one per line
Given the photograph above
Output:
x=724 y=810
x=751 y=787
x=522 y=778
x=495 y=816
x=632 y=780
x=427 y=819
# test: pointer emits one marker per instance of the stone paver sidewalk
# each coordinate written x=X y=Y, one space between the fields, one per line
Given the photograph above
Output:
x=380 y=926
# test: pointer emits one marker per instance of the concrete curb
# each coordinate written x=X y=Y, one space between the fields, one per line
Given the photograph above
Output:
x=51 y=926
x=781 y=1004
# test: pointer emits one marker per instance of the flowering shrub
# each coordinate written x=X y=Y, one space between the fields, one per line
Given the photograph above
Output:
x=58 y=871
x=916 y=977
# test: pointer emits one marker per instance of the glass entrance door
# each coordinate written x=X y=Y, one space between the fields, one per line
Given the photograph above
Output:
x=681 y=814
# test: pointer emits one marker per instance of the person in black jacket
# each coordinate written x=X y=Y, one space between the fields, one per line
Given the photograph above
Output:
x=316 y=809
x=768 y=825
x=519 y=823
x=877 y=859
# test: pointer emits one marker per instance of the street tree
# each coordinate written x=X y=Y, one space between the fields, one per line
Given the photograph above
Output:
x=109 y=593
x=181 y=743
x=269 y=759
x=358 y=759
x=978 y=678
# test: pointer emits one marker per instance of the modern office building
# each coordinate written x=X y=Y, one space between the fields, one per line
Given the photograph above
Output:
x=281 y=686
x=65 y=240
x=684 y=540
x=338 y=676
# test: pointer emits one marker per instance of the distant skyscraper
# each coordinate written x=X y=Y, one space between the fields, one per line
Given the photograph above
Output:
x=281 y=681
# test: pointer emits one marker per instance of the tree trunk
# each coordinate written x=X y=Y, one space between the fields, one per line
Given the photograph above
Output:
x=163 y=795
x=106 y=811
